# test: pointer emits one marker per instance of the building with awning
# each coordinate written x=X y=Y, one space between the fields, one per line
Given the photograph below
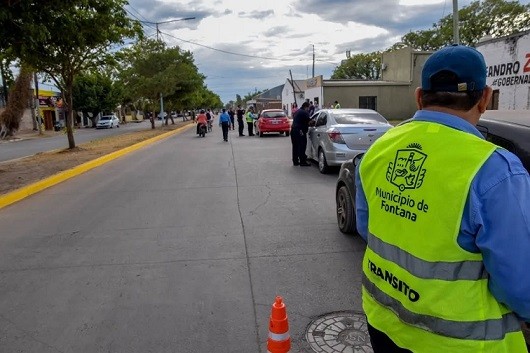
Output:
x=51 y=108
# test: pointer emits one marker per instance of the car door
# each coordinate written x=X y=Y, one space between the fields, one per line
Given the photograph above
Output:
x=310 y=136
x=319 y=132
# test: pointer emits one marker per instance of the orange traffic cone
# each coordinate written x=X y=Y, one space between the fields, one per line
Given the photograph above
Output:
x=279 y=340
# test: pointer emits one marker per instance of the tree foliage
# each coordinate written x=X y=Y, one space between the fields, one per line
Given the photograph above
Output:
x=495 y=18
x=96 y=93
x=150 y=69
x=359 y=67
x=64 y=37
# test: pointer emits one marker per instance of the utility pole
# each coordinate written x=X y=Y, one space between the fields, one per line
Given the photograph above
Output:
x=292 y=85
x=169 y=21
x=158 y=38
x=313 y=73
x=456 y=37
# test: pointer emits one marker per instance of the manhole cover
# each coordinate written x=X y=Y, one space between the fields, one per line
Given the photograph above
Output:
x=343 y=331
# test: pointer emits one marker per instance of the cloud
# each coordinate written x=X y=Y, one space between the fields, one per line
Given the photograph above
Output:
x=246 y=45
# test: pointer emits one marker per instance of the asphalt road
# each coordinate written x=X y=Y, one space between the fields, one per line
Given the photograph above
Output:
x=179 y=247
x=30 y=146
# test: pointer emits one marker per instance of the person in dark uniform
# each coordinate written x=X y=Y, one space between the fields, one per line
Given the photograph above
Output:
x=299 y=135
x=240 y=124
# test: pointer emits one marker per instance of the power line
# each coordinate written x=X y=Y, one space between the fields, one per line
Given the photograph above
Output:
x=138 y=12
x=238 y=54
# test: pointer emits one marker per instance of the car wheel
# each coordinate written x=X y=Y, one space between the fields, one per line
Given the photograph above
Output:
x=322 y=163
x=287 y=133
x=260 y=134
x=345 y=211
x=111 y=126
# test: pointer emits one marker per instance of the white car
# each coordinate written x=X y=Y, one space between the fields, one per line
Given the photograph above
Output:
x=108 y=121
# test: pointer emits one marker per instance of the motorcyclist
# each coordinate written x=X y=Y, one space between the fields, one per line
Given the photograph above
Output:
x=201 y=120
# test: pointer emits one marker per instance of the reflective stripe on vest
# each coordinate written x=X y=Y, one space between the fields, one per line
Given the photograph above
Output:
x=474 y=330
x=448 y=271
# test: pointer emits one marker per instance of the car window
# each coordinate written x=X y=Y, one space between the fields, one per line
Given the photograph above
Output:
x=358 y=118
x=273 y=115
x=499 y=141
x=105 y=118
x=322 y=119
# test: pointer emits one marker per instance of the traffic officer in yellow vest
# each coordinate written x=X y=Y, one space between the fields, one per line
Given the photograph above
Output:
x=446 y=217
x=250 y=117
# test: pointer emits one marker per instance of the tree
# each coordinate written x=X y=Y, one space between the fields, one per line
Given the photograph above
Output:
x=150 y=69
x=359 y=67
x=95 y=93
x=20 y=95
x=64 y=37
x=494 y=18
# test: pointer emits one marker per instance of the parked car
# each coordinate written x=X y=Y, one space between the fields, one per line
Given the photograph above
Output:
x=510 y=130
x=273 y=120
x=338 y=135
x=108 y=121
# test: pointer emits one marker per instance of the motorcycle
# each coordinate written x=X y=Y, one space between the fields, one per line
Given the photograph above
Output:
x=202 y=130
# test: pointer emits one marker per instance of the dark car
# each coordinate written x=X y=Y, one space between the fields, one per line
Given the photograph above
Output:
x=510 y=130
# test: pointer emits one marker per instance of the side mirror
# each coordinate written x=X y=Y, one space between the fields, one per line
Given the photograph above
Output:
x=357 y=159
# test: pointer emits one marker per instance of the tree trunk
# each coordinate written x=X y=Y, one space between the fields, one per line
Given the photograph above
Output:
x=69 y=116
x=20 y=95
x=152 y=120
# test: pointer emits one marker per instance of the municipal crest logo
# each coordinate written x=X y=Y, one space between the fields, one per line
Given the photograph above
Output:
x=406 y=172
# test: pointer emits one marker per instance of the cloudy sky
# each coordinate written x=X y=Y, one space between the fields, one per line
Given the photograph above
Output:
x=247 y=45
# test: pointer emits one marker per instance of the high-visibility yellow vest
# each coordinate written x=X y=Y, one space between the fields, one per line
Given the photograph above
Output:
x=419 y=286
x=249 y=117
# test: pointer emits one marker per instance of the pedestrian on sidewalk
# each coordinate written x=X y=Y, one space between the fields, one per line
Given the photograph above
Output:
x=224 y=123
x=240 y=124
x=445 y=214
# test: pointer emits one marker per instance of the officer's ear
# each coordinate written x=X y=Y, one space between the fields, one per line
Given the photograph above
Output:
x=418 y=94
x=487 y=93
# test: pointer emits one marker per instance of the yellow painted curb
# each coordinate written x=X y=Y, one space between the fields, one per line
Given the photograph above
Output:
x=38 y=186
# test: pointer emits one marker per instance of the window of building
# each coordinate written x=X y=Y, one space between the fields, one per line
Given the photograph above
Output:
x=494 y=102
x=368 y=102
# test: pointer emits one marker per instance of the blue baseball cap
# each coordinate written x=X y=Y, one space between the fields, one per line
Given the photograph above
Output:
x=466 y=63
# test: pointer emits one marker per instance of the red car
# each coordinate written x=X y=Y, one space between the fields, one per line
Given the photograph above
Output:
x=273 y=120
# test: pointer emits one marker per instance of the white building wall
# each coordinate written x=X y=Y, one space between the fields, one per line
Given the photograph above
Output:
x=287 y=97
x=315 y=92
x=508 y=62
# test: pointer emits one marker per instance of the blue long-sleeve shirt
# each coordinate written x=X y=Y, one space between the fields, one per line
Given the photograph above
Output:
x=496 y=219
x=224 y=118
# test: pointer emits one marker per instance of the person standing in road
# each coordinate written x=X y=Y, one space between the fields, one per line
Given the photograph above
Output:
x=446 y=218
x=299 y=135
x=250 y=117
x=311 y=108
x=224 y=123
x=240 y=125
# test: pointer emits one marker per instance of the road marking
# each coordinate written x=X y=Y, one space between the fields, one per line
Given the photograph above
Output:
x=26 y=191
